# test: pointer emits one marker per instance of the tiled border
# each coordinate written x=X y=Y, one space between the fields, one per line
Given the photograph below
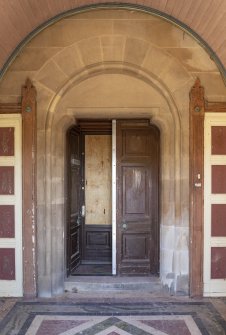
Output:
x=205 y=315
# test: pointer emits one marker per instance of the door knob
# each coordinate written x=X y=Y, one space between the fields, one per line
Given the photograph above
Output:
x=124 y=225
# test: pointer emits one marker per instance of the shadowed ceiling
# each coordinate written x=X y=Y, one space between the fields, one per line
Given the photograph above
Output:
x=18 y=18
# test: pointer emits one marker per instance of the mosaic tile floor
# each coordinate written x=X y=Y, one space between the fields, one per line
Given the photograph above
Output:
x=156 y=318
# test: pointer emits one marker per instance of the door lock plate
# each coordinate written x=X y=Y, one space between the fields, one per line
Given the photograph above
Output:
x=83 y=211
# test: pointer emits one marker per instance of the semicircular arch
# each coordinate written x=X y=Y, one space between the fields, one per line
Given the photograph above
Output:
x=157 y=10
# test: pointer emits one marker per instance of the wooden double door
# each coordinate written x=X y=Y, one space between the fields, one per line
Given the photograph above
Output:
x=137 y=203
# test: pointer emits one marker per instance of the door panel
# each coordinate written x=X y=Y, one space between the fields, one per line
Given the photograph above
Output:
x=141 y=251
x=97 y=243
x=135 y=199
x=73 y=219
x=135 y=143
x=137 y=203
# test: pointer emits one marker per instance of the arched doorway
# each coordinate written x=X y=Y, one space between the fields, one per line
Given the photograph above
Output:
x=129 y=151
x=106 y=85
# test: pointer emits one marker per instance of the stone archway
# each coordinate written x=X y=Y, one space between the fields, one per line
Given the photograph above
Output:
x=173 y=182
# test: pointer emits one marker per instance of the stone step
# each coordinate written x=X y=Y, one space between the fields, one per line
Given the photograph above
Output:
x=112 y=283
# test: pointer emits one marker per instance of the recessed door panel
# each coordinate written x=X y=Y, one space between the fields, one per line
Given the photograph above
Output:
x=7 y=221
x=135 y=199
x=135 y=246
x=135 y=143
x=7 y=264
x=6 y=180
x=6 y=141
x=218 y=261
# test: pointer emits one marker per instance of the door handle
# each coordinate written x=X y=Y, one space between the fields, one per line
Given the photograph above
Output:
x=124 y=225
x=83 y=211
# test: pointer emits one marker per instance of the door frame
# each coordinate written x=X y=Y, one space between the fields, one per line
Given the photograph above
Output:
x=88 y=127
x=114 y=197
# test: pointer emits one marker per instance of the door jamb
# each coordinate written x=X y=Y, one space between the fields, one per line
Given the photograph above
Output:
x=114 y=197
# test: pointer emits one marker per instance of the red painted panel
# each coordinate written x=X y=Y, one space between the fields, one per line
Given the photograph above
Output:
x=218 y=140
x=7 y=264
x=6 y=180
x=218 y=179
x=218 y=220
x=218 y=262
x=171 y=327
x=7 y=226
x=6 y=141
x=51 y=327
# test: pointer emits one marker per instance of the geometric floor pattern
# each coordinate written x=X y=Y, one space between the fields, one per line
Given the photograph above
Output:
x=70 y=318
x=121 y=325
